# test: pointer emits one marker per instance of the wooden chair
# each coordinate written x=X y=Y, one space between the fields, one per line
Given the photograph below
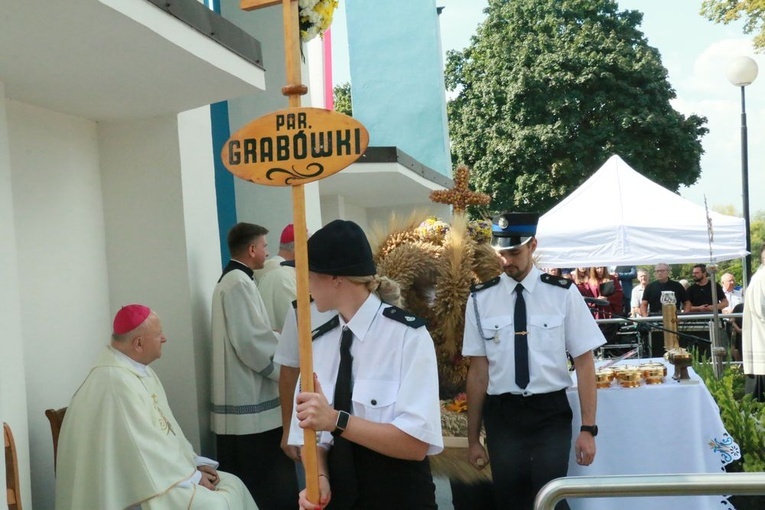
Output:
x=56 y=418
x=11 y=470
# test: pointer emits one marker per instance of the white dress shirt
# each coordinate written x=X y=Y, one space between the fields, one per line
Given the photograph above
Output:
x=395 y=377
x=558 y=320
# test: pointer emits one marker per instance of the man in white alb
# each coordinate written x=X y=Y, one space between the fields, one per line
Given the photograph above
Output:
x=120 y=446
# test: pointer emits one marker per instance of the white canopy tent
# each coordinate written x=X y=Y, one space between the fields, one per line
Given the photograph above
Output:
x=619 y=217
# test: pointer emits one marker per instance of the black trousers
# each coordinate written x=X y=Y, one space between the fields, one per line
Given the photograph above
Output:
x=529 y=441
x=472 y=496
x=263 y=467
x=362 y=479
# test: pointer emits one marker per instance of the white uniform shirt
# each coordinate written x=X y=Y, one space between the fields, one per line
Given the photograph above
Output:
x=395 y=378
x=288 y=350
x=558 y=320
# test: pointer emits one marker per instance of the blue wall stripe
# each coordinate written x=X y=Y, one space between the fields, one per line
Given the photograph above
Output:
x=224 y=180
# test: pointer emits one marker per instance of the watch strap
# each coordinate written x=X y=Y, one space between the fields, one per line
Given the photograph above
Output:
x=342 y=423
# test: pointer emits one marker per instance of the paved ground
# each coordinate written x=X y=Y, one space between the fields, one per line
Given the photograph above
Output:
x=443 y=493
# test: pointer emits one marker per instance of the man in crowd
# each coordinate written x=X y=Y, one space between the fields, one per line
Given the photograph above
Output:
x=753 y=341
x=732 y=294
x=637 y=292
x=514 y=386
x=120 y=446
x=651 y=301
x=626 y=274
x=277 y=283
x=700 y=293
x=246 y=416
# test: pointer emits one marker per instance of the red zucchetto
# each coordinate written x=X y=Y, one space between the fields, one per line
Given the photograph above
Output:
x=130 y=317
x=288 y=234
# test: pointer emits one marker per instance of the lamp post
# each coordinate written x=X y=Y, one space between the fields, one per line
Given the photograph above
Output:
x=742 y=72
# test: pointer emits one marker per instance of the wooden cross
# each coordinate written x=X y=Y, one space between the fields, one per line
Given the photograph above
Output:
x=293 y=90
x=460 y=196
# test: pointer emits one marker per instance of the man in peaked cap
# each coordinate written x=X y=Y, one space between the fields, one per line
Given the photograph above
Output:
x=512 y=230
x=518 y=330
x=120 y=445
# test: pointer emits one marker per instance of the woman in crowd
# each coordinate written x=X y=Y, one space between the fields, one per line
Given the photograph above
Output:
x=375 y=403
x=608 y=288
x=581 y=278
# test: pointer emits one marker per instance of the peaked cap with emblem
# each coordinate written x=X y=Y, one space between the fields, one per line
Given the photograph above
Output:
x=511 y=230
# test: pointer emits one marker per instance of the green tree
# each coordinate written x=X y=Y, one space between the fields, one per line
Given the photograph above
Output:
x=757 y=236
x=549 y=89
x=735 y=266
x=342 y=98
x=727 y=11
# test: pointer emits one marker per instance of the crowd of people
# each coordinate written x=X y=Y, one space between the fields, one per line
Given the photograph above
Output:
x=375 y=402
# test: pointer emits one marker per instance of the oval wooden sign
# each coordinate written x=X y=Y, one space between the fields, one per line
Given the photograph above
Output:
x=295 y=146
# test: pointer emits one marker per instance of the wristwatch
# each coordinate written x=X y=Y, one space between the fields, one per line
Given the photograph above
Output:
x=592 y=429
x=342 y=423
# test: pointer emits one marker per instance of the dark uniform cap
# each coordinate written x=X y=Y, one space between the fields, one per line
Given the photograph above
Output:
x=339 y=248
x=510 y=230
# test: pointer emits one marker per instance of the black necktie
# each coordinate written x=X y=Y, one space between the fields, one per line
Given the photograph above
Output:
x=521 y=340
x=342 y=401
x=341 y=461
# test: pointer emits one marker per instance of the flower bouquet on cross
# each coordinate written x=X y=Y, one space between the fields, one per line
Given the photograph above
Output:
x=315 y=17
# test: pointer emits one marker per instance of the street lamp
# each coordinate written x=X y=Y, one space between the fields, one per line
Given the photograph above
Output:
x=742 y=72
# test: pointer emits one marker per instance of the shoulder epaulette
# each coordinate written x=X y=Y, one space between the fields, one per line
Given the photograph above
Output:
x=294 y=303
x=404 y=317
x=324 y=328
x=556 y=280
x=484 y=285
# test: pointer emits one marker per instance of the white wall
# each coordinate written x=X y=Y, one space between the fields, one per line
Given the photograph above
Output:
x=202 y=250
x=94 y=216
x=156 y=254
x=342 y=207
x=62 y=266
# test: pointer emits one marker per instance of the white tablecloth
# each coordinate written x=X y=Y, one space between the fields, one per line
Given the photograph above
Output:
x=655 y=429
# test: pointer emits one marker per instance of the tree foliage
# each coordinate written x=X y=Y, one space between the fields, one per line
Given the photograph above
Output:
x=735 y=266
x=342 y=98
x=549 y=89
x=727 y=11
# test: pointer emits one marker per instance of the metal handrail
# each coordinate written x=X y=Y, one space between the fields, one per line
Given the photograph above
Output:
x=680 y=317
x=692 y=484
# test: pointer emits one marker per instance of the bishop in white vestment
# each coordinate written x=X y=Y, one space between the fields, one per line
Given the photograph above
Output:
x=120 y=446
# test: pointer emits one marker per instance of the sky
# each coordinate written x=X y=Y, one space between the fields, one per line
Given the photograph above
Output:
x=696 y=53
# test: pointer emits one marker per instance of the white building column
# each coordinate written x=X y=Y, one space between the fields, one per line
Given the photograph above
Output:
x=161 y=244
x=13 y=398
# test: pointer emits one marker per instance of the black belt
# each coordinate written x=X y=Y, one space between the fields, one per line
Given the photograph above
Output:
x=533 y=396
